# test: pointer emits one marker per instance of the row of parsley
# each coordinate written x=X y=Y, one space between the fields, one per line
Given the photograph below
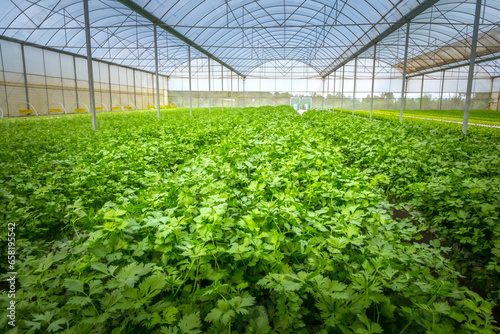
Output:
x=246 y=220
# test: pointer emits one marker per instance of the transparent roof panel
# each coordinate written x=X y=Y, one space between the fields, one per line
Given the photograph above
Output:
x=245 y=34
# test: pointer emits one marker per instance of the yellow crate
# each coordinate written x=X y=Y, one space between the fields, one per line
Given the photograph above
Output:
x=55 y=110
x=80 y=110
x=99 y=108
x=150 y=107
x=116 y=108
x=127 y=107
x=25 y=111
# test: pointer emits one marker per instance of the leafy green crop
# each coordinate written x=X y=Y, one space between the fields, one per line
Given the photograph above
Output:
x=452 y=180
x=244 y=221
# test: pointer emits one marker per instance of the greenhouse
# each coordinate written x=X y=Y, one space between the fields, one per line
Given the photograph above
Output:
x=280 y=166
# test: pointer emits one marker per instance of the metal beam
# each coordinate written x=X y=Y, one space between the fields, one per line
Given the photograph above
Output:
x=5 y=86
x=222 y=84
x=190 y=87
x=89 y=63
x=156 y=74
x=243 y=88
x=373 y=78
x=25 y=78
x=147 y=15
x=354 y=88
x=478 y=61
x=441 y=93
x=209 y=88
x=472 y=62
x=334 y=90
x=421 y=92
x=403 y=88
x=327 y=90
x=323 y=96
x=401 y=22
x=342 y=96
x=135 y=91
x=110 y=91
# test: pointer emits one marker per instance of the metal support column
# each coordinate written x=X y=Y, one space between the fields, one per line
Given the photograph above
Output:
x=209 y=88
x=190 y=87
x=323 y=95
x=441 y=93
x=342 y=96
x=334 y=90
x=25 y=78
x=222 y=84
x=231 y=96
x=403 y=85
x=62 y=85
x=46 y=85
x=110 y=94
x=472 y=63
x=354 y=88
x=89 y=63
x=135 y=90
x=373 y=78
x=156 y=73
x=76 y=82
x=244 y=96
x=5 y=85
x=421 y=92
x=498 y=101
x=327 y=89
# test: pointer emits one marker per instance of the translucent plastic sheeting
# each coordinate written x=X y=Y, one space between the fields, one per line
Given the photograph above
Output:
x=261 y=39
x=244 y=34
x=60 y=81
x=275 y=82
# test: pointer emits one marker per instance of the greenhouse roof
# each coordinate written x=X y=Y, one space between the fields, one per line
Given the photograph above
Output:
x=243 y=34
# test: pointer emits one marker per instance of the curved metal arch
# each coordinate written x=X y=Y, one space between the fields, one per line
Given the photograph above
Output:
x=266 y=15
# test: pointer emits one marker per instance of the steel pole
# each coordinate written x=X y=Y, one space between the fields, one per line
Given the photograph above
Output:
x=354 y=88
x=403 y=85
x=373 y=78
x=442 y=92
x=421 y=91
x=222 y=84
x=190 y=92
x=76 y=83
x=472 y=63
x=89 y=63
x=323 y=96
x=342 y=97
x=327 y=90
x=110 y=94
x=26 y=91
x=156 y=73
x=209 y=88
x=244 y=96
x=334 y=90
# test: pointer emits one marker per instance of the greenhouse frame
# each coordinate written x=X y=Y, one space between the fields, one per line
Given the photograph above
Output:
x=250 y=166
x=248 y=53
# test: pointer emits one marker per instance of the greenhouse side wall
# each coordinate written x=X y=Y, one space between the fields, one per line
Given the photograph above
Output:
x=56 y=81
x=274 y=83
